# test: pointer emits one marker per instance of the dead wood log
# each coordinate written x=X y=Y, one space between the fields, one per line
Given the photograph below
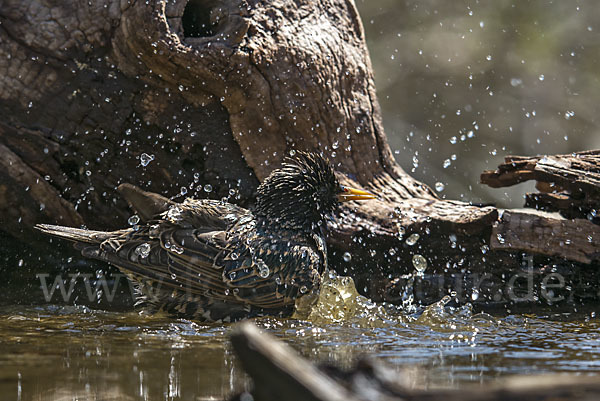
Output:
x=546 y=234
x=568 y=184
x=279 y=373
x=206 y=94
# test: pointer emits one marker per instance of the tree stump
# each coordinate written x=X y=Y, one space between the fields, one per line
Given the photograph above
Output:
x=204 y=98
x=188 y=95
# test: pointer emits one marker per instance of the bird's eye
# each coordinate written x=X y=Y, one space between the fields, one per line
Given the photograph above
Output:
x=344 y=189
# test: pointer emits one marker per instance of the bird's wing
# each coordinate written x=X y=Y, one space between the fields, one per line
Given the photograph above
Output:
x=167 y=257
x=273 y=276
x=146 y=204
x=178 y=250
x=204 y=214
x=199 y=263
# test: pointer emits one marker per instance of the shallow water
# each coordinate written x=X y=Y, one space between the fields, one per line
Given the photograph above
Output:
x=65 y=352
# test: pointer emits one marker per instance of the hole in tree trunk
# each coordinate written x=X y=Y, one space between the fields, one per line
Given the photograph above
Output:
x=196 y=20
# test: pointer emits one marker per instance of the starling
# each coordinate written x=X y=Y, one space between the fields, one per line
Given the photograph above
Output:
x=214 y=261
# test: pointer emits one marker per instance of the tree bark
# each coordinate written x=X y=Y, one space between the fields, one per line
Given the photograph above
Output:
x=204 y=98
x=568 y=184
x=217 y=93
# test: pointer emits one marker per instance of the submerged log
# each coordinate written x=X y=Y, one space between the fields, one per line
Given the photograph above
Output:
x=278 y=373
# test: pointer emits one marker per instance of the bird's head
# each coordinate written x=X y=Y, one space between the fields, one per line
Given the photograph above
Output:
x=303 y=193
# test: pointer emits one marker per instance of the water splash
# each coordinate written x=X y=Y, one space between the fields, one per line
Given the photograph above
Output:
x=339 y=302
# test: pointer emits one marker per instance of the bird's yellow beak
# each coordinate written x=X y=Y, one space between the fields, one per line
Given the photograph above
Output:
x=347 y=194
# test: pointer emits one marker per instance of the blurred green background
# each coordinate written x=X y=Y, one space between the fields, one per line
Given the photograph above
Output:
x=464 y=83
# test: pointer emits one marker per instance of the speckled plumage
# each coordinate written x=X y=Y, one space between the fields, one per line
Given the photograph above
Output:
x=214 y=261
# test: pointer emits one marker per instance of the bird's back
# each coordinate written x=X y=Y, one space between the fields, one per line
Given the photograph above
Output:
x=208 y=260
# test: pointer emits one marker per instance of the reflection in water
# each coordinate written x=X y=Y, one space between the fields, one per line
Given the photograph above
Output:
x=64 y=353
x=67 y=353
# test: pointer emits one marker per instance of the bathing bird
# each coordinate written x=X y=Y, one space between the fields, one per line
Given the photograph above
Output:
x=213 y=261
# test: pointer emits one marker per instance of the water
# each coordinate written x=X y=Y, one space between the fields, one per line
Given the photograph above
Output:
x=73 y=352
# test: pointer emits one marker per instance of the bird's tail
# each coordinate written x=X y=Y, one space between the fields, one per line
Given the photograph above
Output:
x=75 y=234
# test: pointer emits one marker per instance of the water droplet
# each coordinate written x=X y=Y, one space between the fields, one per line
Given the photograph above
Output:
x=439 y=186
x=500 y=238
x=233 y=256
x=292 y=152
x=419 y=262
x=145 y=159
x=278 y=280
x=263 y=269
x=401 y=232
x=484 y=249
x=183 y=191
x=412 y=239
x=177 y=249
x=232 y=275
x=207 y=188
x=264 y=273
x=541 y=77
x=516 y=82
x=303 y=289
x=347 y=257
x=133 y=220
x=143 y=250
x=174 y=213
x=453 y=140
x=335 y=145
x=447 y=163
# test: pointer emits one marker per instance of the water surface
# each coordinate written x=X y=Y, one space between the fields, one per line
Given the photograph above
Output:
x=66 y=352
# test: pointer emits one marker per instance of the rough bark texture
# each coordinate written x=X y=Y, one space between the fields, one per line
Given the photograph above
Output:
x=545 y=234
x=209 y=96
x=217 y=92
x=569 y=184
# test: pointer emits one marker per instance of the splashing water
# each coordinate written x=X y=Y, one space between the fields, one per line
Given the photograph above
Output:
x=339 y=302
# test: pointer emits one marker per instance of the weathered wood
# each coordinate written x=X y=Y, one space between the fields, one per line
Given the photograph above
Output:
x=547 y=234
x=569 y=184
x=86 y=88
x=279 y=373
